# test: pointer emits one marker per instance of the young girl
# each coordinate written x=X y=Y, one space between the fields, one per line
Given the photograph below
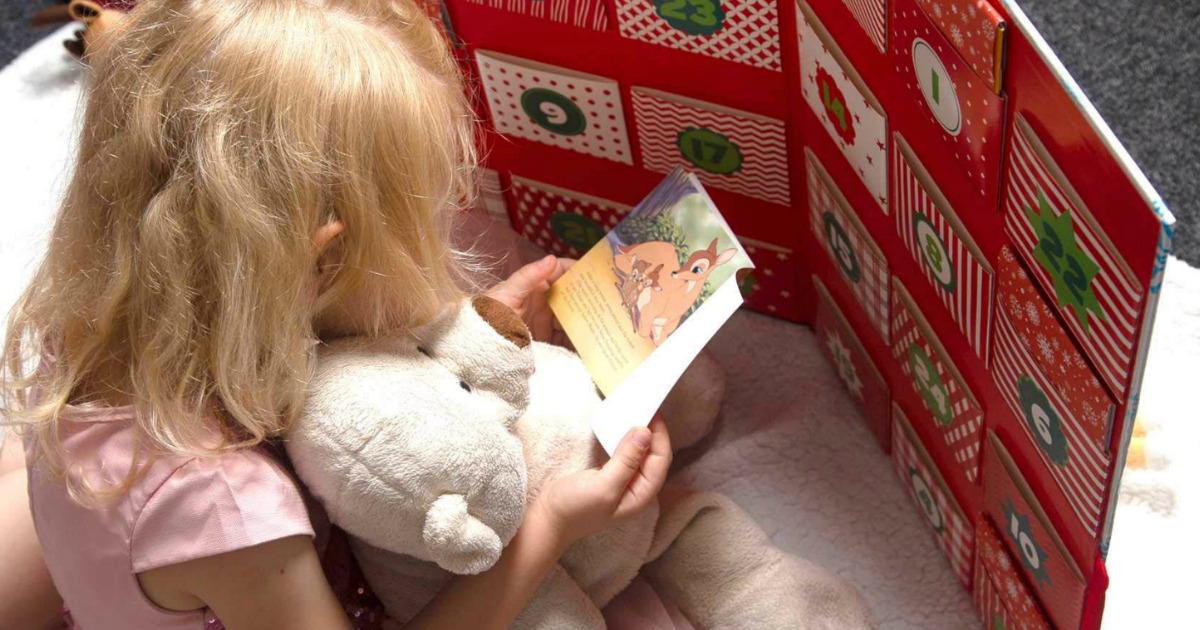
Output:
x=252 y=174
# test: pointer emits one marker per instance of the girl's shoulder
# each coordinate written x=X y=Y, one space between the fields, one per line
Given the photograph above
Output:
x=176 y=508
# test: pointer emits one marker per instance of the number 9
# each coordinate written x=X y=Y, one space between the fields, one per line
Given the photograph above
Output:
x=554 y=112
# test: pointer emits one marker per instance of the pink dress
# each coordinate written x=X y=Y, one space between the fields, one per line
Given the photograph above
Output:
x=181 y=509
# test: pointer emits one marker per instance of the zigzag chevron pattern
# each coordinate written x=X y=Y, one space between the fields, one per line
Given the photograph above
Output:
x=762 y=143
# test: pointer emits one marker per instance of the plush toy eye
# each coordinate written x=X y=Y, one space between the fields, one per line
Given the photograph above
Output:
x=466 y=388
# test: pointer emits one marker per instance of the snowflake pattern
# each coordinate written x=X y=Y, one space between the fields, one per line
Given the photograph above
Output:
x=972 y=28
x=1043 y=336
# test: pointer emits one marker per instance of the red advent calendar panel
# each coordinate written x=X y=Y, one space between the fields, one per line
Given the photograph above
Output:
x=1071 y=258
x=853 y=365
x=923 y=168
x=1029 y=536
x=925 y=485
x=1001 y=595
x=936 y=238
x=728 y=149
x=744 y=31
x=959 y=108
x=843 y=236
x=923 y=359
x=843 y=104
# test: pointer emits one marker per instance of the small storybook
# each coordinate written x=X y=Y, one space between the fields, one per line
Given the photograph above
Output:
x=641 y=304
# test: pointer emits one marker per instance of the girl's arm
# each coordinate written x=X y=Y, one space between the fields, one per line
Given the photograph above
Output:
x=277 y=584
x=280 y=584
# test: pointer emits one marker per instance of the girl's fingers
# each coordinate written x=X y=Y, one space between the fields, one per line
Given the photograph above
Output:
x=626 y=462
x=645 y=485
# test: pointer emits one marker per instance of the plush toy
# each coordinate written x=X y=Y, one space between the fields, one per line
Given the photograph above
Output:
x=97 y=16
x=427 y=448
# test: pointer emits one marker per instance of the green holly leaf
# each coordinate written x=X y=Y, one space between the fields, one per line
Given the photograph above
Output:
x=1071 y=270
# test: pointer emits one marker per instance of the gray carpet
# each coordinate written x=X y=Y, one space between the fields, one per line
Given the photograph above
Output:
x=1138 y=60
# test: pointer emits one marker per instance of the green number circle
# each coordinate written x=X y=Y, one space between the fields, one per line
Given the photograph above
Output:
x=709 y=150
x=694 y=17
x=933 y=252
x=1043 y=421
x=930 y=385
x=576 y=230
x=841 y=249
x=748 y=284
x=929 y=506
x=553 y=112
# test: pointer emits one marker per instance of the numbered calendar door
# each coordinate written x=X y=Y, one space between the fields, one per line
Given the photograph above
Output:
x=741 y=31
x=560 y=221
x=555 y=106
x=853 y=365
x=771 y=286
x=938 y=241
x=949 y=404
x=726 y=148
x=1028 y=535
x=590 y=14
x=847 y=110
x=1092 y=287
x=859 y=261
x=933 y=497
x=957 y=108
x=1001 y=595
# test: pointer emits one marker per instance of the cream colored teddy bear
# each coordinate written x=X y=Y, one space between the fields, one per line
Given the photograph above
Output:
x=427 y=448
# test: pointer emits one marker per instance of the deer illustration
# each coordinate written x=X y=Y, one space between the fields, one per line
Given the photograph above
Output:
x=629 y=286
x=660 y=309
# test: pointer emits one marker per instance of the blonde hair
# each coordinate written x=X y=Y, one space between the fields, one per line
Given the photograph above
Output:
x=218 y=136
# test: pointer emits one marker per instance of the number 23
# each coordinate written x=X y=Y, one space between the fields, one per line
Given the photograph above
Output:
x=703 y=11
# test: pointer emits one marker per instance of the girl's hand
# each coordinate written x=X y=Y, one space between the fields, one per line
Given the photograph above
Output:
x=591 y=501
x=525 y=293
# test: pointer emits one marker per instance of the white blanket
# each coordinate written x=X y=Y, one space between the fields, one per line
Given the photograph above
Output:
x=789 y=448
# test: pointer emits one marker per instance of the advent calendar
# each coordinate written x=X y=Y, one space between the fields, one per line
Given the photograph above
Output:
x=922 y=183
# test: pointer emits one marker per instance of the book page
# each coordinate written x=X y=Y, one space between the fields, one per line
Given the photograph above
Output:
x=647 y=282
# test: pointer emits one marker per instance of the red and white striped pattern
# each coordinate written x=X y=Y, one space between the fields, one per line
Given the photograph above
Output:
x=872 y=16
x=1109 y=340
x=956 y=538
x=761 y=141
x=582 y=13
x=964 y=432
x=1084 y=477
x=970 y=297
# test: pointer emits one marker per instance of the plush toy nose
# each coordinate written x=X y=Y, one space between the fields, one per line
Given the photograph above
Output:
x=503 y=320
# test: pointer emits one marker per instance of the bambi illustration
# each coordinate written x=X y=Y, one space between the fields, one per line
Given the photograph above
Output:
x=660 y=303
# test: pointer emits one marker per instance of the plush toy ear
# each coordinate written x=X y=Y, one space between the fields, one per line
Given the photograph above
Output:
x=459 y=542
x=503 y=320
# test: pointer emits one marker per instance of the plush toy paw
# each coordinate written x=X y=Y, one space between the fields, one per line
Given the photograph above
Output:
x=457 y=541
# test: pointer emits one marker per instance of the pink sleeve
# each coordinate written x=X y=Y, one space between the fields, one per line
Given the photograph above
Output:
x=215 y=505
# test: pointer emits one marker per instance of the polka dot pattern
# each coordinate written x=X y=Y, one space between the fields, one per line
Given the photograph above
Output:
x=505 y=79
